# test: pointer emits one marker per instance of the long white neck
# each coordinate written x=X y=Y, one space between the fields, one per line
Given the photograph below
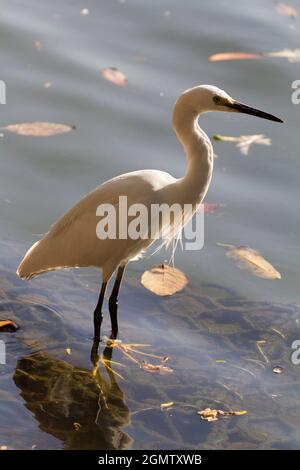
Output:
x=198 y=150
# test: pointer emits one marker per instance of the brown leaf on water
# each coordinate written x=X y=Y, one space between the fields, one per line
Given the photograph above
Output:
x=293 y=55
x=225 y=138
x=237 y=413
x=38 y=129
x=244 y=142
x=164 y=406
x=164 y=280
x=156 y=368
x=233 y=56
x=8 y=326
x=252 y=261
x=278 y=370
x=5 y=322
x=287 y=10
x=208 y=414
x=213 y=415
x=114 y=75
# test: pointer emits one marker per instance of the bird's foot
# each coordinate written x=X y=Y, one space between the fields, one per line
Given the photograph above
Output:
x=113 y=303
x=113 y=334
x=94 y=352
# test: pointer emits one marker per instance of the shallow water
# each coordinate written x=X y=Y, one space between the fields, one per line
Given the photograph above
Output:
x=163 y=49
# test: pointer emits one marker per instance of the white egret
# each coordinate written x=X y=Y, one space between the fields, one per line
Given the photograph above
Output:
x=72 y=241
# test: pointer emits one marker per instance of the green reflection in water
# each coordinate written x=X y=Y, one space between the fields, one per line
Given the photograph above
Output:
x=82 y=411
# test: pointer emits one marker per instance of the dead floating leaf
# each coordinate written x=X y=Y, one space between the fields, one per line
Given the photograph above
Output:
x=156 y=368
x=287 y=10
x=114 y=75
x=213 y=415
x=164 y=406
x=278 y=370
x=293 y=55
x=233 y=56
x=8 y=326
x=38 y=129
x=164 y=280
x=244 y=142
x=252 y=260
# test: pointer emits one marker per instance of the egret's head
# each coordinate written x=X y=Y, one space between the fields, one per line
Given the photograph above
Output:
x=205 y=98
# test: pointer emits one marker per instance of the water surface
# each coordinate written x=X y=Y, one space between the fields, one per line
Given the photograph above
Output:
x=163 y=48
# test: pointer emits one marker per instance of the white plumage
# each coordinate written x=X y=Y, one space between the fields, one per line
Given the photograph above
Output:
x=72 y=240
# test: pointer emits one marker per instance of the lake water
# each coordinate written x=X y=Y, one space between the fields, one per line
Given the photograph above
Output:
x=224 y=314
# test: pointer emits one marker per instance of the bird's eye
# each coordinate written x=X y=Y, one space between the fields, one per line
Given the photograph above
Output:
x=217 y=99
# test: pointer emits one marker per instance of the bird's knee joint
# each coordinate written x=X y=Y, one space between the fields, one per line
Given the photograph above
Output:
x=113 y=302
x=98 y=316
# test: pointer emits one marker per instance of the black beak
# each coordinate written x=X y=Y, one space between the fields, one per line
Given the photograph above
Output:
x=242 y=108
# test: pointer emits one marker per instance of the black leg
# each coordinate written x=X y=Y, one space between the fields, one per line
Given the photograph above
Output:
x=98 y=314
x=94 y=353
x=113 y=302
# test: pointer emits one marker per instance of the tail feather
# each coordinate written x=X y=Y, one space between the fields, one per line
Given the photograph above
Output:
x=33 y=263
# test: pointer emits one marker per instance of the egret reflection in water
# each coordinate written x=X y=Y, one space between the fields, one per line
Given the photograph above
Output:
x=81 y=409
